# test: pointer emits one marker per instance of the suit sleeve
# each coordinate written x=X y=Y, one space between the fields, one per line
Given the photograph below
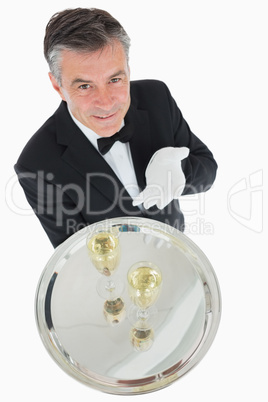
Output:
x=200 y=166
x=56 y=211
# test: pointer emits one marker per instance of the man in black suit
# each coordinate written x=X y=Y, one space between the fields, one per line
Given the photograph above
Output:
x=114 y=147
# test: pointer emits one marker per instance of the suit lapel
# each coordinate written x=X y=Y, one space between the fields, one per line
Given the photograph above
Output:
x=83 y=157
x=140 y=143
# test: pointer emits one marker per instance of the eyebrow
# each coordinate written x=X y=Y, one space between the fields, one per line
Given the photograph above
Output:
x=81 y=80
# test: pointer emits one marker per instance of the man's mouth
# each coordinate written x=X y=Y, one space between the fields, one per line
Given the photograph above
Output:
x=105 y=117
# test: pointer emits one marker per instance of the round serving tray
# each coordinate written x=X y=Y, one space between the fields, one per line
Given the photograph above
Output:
x=72 y=326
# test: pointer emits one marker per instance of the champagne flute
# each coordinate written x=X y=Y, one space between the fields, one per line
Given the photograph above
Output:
x=104 y=252
x=144 y=286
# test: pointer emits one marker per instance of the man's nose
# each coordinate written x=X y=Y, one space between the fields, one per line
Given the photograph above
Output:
x=104 y=99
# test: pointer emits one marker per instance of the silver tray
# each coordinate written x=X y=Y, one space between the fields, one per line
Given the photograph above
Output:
x=70 y=320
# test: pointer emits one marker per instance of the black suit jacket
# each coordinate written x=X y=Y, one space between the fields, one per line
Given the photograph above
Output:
x=69 y=185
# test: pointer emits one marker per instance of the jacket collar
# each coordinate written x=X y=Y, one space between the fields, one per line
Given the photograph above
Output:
x=84 y=158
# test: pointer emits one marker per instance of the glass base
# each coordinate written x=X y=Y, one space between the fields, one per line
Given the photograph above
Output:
x=114 y=311
x=142 y=319
x=110 y=288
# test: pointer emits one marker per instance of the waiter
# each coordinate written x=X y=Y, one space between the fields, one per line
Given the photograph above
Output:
x=114 y=147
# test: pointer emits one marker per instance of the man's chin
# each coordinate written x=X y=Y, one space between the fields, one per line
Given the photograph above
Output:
x=107 y=131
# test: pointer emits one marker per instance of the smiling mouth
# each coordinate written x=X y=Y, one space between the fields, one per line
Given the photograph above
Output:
x=105 y=117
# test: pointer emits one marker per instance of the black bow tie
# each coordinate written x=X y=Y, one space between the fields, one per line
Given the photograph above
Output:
x=106 y=143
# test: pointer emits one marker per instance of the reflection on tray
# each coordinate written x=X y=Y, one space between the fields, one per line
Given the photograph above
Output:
x=144 y=286
x=133 y=286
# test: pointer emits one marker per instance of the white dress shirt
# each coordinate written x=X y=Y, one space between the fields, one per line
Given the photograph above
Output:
x=118 y=158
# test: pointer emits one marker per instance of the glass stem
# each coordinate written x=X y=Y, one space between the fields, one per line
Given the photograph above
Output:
x=110 y=286
x=143 y=314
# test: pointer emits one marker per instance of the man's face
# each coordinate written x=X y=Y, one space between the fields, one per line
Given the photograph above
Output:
x=96 y=87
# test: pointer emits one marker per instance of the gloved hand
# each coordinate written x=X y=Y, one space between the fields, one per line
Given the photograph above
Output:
x=164 y=178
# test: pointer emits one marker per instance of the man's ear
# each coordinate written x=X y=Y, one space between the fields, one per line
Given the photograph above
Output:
x=56 y=86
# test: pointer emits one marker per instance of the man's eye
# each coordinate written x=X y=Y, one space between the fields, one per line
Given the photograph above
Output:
x=84 y=86
x=114 y=80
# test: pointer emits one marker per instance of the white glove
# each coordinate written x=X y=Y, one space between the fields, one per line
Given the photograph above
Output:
x=164 y=178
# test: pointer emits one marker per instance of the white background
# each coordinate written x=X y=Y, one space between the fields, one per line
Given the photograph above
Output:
x=213 y=57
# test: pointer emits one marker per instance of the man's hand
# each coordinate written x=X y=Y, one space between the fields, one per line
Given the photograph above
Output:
x=164 y=178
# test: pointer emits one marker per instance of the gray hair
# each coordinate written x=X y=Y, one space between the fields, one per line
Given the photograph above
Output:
x=83 y=30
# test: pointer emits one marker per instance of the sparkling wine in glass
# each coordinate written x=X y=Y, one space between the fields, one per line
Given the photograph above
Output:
x=104 y=252
x=144 y=286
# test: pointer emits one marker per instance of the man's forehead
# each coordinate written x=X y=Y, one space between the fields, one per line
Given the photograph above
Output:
x=87 y=67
